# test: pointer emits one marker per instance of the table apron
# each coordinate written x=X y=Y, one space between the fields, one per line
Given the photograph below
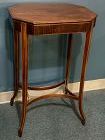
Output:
x=47 y=29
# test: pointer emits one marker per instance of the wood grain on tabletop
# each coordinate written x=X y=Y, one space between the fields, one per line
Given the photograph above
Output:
x=45 y=13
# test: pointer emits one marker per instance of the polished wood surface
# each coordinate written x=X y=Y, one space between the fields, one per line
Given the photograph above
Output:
x=16 y=65
x=24 y=75
x=42 y=19
x=45 y=87
x=75 y=97
x=68 y=61
x=83 y=71
x=46 y=13
x=61 y=28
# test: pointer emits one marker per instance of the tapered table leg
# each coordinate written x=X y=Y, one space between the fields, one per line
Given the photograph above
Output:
x=68 y=61
x=24 y=75
x=84 y=63
x=16 y=65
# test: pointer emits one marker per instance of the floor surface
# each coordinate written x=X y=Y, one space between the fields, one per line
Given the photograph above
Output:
x=56 y=119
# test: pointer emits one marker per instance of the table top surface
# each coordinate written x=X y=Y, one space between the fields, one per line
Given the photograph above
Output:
x=51 y=13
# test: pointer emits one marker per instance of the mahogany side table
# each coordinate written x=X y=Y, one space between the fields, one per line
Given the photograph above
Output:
x=45 y=19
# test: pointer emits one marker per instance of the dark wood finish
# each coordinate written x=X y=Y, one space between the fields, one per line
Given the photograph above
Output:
x=45 y=87
x=52 y=96
x=68 y=61
x=84 y=64
x=50 y=18
x=51 y=13
x=16 y=65
x=24 y=75
x=60 y=28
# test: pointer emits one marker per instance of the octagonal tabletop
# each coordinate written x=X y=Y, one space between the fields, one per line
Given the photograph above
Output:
x=50 y=13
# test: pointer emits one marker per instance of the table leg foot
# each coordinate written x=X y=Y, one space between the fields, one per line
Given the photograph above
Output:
x=20 y=133
x=82 y=115
x=12 y=101
x=83 y=121
x=13 y=98
x=22 y=122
